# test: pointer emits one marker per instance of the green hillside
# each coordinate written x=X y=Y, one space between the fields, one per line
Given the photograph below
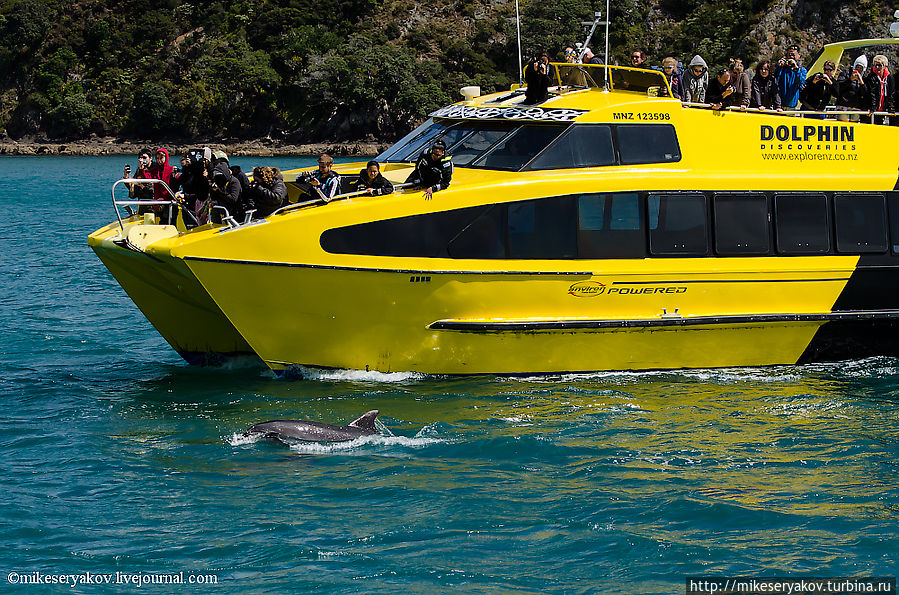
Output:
x=338 y=69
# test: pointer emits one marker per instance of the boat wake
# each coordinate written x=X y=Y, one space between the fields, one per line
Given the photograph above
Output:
x=424 y=438
x=329 y=375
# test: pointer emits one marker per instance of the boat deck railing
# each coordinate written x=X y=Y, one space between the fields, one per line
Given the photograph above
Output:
x=830 y=112
x=116 y=204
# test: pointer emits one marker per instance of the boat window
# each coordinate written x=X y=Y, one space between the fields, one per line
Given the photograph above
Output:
x=584 y=145
x=647 y=143
x=412 y=142
x=610 y=226
x=742 y=225
x=860 y=222
x=893 y=200
x=542 y=228
x=802 y=223
x=469 y=148
x=515 y=150
x=678 y=224
x=434 y=235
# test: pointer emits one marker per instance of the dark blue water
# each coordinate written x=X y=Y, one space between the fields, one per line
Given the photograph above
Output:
x=115 y=456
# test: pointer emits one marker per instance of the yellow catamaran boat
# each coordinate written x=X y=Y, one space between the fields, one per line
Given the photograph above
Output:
x=608 y=228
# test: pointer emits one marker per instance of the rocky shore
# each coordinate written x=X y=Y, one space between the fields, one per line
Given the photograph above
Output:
x=239 y=148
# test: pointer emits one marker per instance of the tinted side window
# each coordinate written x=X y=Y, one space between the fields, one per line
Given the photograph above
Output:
x=543 y=228
x=860 y=222
x=412 y=141
x=610 y=226
x=471 y=147
x=647 y=143
x=893 y=198
x=582 y=146
x=517 y=149
x=802 y=224
x=742 y=224
x=482 y=238
x=427 y=236
x=678 y=224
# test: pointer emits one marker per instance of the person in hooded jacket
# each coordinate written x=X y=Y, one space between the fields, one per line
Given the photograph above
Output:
x=765 y=93
x=162 y=170
x=371 y=180
x=696 y=80
x=225 y=190
x=850 y=90
x=267 y=192
x=880 y=90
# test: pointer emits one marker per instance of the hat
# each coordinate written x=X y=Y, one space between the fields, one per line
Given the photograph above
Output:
x=219 y=155
x=439 y=145
x=207 y=153
x=863 y=60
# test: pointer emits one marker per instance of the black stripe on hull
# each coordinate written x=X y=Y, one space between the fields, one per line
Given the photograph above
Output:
x=874 y=285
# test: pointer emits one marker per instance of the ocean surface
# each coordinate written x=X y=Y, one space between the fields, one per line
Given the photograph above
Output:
x=118 y=457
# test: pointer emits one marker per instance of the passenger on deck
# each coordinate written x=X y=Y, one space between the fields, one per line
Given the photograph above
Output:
x=433 y=170
x=675 y=80
x=591 y=58
x=638 y=60
x=818 y=89
x=141 y=191
x=193 y=184
x=537 y=80
x=721 y=92
x=880 y=90
x=765 y=93
x=571 y=55
x=324 y=182
x=225 y=188
x=696 y=80
x=161 y=170
x=371 y=180
x=267 y=192
x=791 y=75
x=850 y=90
x=739 y=78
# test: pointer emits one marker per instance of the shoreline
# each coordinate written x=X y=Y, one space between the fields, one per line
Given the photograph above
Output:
x=251 y=148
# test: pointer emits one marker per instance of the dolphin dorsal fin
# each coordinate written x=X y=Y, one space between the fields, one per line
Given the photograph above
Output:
x=366 y=421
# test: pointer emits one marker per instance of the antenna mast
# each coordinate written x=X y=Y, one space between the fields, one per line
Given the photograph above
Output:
x=518 y=27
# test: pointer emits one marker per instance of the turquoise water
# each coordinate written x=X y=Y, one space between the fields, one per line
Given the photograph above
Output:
x=115 y=456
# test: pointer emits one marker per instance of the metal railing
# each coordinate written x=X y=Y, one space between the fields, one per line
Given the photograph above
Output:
x=128 y=203
x=325 y=200
x=828 y=111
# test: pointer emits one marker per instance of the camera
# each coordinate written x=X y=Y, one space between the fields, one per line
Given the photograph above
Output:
x=306 y=176
x=195 y=156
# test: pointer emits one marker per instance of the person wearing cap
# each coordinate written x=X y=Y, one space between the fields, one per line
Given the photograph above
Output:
x=193 y=183
x=433 y=170
x=791 y=75
x=590 y=57
x=371 y=180
x=850 y=90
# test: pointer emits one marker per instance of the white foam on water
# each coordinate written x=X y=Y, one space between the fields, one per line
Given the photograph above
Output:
x=364 y=443
x=355 y=375
x=238 y=439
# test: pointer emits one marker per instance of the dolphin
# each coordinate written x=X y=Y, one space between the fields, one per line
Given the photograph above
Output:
x=287 y=430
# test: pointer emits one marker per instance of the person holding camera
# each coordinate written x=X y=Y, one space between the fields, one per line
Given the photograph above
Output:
x=536 y=79
x=140 y=191
x=192 y=186
x=323 y=183
x=721 y=92
x=818 y=89
x=850 y=89
x=791 y=75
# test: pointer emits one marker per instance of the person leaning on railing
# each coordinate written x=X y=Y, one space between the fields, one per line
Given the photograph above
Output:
x=141 y=191
x=880 y=90
x=765 y=94
x=818 y=89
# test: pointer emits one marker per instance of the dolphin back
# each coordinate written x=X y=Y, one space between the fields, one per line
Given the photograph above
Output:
x=366 y=422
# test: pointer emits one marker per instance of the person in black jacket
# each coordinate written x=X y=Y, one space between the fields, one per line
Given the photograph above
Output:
x=765 y=93
x=721 y=92
x=537 y=79
x=818 y=89
x=371 y=180
x=433 y=170
x=225 y=189
x=850 y=90
x=192 y=186
x=267 y=192
x=880 y=90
